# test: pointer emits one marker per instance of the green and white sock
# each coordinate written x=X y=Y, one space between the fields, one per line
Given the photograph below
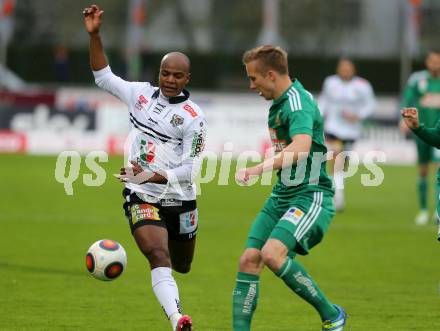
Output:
x=297 y=279
x=244 y=300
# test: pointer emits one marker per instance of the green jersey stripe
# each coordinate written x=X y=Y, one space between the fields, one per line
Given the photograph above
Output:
x=292 y=99
x=307 y=223
x=307 y=215
x=291 y=102
x=295 y=92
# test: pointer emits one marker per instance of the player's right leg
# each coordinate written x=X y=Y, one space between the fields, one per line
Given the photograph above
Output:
x=246 y=291
x=153 y=242
x=424 y=156
x=336 y=146
x=151 y=236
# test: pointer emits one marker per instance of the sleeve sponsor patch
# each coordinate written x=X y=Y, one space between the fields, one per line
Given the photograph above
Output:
x=190 y=110
x=293 y=215
x=144 y=211
x=188 y=222
x=198 y=143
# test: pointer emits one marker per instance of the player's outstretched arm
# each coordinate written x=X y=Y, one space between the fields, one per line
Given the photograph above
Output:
x=297 y=150
x=92 y=23
x=137 y=175
x=431 y=136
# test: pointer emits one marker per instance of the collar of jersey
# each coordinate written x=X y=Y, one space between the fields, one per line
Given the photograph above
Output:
x=283 y=96
x=173 y=100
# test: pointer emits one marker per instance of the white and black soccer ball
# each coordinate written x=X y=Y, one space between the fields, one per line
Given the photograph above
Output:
x=106 y=259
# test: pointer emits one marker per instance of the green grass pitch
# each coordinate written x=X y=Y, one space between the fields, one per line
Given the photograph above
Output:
x=374 y=261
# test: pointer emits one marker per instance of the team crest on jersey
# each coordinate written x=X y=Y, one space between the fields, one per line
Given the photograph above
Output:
x=176 y=120
x=293 y=215
x=278 y=120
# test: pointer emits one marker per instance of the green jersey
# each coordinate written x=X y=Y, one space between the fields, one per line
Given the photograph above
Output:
x=431 y=136
x=296 y=112
x=423 y=93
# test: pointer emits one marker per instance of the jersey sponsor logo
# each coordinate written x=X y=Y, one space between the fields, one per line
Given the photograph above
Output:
x=198 y=143
x=147 y=152
x=141 y=101
x=430 y=100
x=176 y=120
x=293 y=215
x=170 y=202
x=190 y=110
x=152 y=121
x=188 y=222
x=278 y=144
x=158 y=108
x=144 y=211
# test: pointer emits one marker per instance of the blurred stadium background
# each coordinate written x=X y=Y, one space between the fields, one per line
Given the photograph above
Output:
x=47 y=87
x=49 y=104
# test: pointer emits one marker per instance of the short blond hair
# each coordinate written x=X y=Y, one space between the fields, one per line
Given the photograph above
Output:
x=269 y=58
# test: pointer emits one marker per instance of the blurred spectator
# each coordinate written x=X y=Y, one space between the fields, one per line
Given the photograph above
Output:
x=346 y=101
x=6 y=27
x=61 y=59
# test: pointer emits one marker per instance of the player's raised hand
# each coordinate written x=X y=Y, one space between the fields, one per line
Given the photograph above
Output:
x=92 y=19
x=242 y=176
x=247 y=176
x=410 y=117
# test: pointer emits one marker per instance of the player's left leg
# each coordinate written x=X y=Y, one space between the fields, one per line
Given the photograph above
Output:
x=299 y=229
x=246 y=290
x=182 y=254
x=294 y=275
x=182 y=224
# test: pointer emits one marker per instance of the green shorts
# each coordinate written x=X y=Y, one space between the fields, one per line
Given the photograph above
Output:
x=299 y=222
x=426 y=153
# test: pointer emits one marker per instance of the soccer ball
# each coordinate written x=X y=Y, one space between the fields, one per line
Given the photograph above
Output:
x=106 y=259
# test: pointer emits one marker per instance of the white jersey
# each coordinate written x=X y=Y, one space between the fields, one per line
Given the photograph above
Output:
x=167 y=134
x=338 y=96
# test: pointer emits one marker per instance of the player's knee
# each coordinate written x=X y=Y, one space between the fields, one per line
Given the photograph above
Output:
x=272 y=257
x=268 y=257
x=250 y=260
x=182 y=268
x=158 y=257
